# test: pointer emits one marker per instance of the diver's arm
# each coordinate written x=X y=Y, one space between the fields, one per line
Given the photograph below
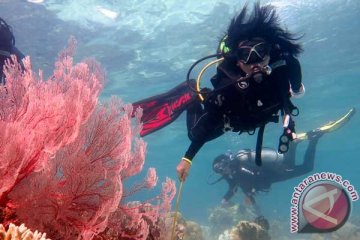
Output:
x=251 y=199
x=208 y=127
x=193 y=149
x=295 y=76
x=199 y=136
x=230 y=192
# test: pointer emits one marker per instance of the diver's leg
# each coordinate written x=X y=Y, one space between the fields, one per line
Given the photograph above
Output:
x=313 y=137
x=290 y=156
x=259 y=219
x=309 y=157
x=289 y=169
x=160 y=110
x=249 y=198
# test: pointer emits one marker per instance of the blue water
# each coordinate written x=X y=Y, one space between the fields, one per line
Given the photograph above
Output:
x=148 y=48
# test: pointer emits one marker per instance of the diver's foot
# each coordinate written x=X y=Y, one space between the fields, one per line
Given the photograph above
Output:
x=314 y=134
x=334 y=125
x=329 y=127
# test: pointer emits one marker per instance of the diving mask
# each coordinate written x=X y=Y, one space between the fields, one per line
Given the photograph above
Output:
x=252 y=53
x=221 y=164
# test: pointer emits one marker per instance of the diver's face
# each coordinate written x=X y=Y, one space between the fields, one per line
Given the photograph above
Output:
x=222 y=168
x=253 y=55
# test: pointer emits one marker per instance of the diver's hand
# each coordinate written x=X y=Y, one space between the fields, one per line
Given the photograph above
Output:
x=289 y=127
x=298 y=93
x=183 y=168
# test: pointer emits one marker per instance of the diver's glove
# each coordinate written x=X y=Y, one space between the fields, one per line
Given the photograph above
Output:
x=298 y=93
x=288 y=135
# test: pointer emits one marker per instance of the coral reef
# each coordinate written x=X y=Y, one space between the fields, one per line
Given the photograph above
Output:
x=193 y=231
x=245 y=230
x=180 y=228
x=184 y=230
x=20 y=233
x=237 y=222
x=221 y=218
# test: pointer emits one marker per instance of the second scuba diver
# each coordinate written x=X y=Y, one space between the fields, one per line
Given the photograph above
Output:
x=240 y=171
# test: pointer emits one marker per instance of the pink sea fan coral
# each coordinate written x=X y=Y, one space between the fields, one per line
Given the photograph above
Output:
x=142 y=221
x=38 y=117
x=65 y=156
x=82 y=182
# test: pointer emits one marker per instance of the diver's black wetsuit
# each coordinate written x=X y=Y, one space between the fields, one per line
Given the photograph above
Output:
x=244 y=106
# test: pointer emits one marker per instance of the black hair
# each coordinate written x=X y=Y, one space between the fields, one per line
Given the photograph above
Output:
x=262 y=23
x=7 y=39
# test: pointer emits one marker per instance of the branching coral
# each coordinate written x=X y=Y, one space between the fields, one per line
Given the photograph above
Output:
x=20 y=233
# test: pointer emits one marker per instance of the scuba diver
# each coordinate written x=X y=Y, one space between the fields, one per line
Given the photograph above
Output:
x=240 y=169
x=7 y=47
x=257 y=73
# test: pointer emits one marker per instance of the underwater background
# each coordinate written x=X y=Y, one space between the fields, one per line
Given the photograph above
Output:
x=147 y=47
